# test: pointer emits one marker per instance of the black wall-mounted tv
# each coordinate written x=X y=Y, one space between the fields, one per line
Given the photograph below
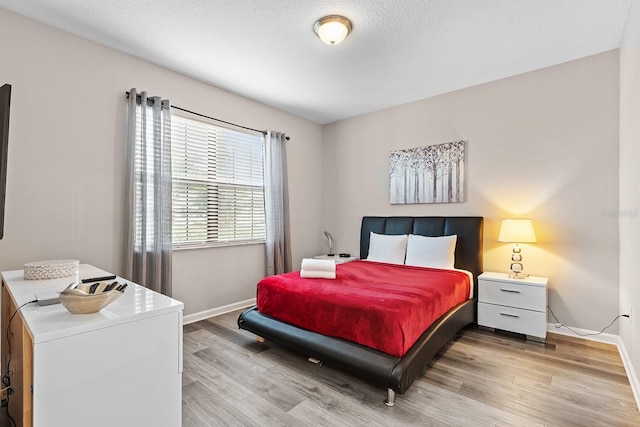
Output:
x=5 y=102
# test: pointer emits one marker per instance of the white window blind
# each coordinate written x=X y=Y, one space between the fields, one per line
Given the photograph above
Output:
x=218 y=185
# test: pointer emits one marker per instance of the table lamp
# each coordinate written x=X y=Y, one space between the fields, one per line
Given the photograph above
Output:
x=517 y=231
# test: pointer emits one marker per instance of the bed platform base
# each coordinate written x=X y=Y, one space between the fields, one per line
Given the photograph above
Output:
x=378 y=368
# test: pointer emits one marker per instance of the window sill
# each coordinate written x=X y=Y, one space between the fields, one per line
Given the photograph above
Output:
x=217 y=245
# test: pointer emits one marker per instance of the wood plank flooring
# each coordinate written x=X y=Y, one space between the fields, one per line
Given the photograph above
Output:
x=481 y=379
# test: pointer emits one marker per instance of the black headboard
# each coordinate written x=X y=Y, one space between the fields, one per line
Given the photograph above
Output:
x=469 y=230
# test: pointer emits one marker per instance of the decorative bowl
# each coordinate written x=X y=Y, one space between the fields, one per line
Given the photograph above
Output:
x=78 y=300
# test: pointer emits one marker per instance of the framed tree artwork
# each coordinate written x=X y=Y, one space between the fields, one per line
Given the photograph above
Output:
x=431 y=174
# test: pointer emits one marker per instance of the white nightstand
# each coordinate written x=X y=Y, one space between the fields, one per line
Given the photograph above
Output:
x=516 y=305
x=337 y=258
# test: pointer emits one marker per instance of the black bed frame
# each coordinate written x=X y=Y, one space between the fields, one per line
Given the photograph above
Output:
x=381 y=369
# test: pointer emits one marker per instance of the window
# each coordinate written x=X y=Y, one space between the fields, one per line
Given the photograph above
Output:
x=218 y=185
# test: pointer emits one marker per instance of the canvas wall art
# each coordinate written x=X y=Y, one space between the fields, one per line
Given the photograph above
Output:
x=431 y=174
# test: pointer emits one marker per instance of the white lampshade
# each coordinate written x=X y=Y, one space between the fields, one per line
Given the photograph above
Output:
x=517 y=231
x=332 y=29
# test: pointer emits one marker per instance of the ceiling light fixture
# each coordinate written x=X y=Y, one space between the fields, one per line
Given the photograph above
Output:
x=332 y=29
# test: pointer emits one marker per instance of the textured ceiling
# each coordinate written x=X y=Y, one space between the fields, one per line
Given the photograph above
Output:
x=399 y=50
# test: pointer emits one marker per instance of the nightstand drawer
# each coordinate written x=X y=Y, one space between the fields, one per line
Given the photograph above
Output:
x=526 y=322
x=513 y=295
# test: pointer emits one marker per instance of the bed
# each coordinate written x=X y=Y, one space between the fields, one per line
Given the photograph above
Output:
x=394 y=372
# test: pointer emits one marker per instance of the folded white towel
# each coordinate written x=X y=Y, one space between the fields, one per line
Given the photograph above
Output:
x=310 y=264
x=317 y=274
x=318 y=268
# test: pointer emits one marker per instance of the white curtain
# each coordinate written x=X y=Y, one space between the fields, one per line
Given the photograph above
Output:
x=276 y=200
x=148 y=199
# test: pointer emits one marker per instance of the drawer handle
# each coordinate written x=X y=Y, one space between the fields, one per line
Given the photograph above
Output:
x=509 y=315
x=513 y=291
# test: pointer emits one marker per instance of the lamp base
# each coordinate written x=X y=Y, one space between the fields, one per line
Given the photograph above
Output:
x=516 y=267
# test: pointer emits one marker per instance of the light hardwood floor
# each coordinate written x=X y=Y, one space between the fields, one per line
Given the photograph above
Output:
x=480 y=379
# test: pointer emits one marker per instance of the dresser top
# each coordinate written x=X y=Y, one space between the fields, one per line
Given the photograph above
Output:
x=51 y=322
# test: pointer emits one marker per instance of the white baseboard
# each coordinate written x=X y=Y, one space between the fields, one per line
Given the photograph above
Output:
x=585 y=334
x=196 y=317
x=608 y=339
x=631 y=374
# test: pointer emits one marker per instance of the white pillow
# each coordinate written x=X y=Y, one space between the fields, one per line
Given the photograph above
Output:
x=387 y=248
x=434 y=252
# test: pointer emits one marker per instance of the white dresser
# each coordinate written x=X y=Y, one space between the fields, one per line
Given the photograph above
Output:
x=516 y=305
x=121 y=366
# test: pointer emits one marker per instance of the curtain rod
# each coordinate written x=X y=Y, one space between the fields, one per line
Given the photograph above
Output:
x=264 y=132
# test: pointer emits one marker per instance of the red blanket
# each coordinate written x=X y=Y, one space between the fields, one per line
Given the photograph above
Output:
x=382 y=306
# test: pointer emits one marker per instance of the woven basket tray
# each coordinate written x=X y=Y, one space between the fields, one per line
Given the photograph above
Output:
x=53 y=269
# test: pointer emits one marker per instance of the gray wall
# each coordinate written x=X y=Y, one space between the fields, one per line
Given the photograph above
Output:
x=542 y=145
x=67 y=160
